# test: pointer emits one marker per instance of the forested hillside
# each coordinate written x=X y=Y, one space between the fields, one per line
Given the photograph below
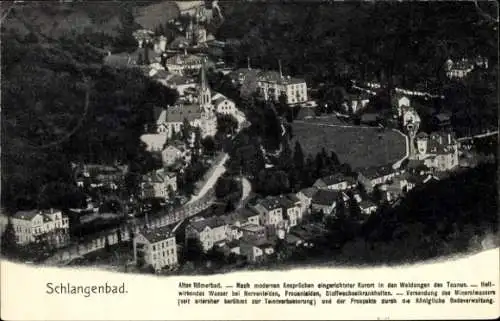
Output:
x=441 y=218
x=59 y=105
x=398 y=43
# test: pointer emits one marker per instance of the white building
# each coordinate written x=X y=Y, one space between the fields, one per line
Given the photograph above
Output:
x=158 y=184
x=438 y=150
x=223 y=105
x=35 y=225
x=271 y=211
x=272 y=85
x=184 y=63
x=155 y=247
x=208 y=231
x=174 y=153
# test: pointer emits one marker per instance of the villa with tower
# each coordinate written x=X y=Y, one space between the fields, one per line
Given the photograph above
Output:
x=438 y=150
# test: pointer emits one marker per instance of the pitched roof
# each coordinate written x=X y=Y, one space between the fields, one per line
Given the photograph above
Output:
x=182 y=59
x=270 y=203
x=366 y=204
x=212 y=222
x=443 y=117
x=309 y=192
x=157 y=234
x=376 y=171
x=179 y=42
x=26 y=215
x=325 y=197
x=177 y=80
x=158 y=176
x=246 y=212
x=336 y=178
x=275 y=77
x=292 y=197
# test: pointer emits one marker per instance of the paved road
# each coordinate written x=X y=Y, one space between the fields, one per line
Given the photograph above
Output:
x=219 y=170
x=246 y=190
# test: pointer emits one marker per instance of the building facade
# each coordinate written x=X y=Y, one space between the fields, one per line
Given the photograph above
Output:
x=155 y=247
x=34 y=226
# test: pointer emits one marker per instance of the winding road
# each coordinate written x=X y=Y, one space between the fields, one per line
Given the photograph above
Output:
x=210 y=182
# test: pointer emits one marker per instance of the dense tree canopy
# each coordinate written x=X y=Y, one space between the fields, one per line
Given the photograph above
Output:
x=60 y=106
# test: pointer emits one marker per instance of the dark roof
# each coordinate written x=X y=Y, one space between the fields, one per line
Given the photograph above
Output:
x=376 y=171
x=286 y=202
x=246 y=212
x=270 y=203
x=292 y=197
x=275 y=77
x=157 y=234
x=212 y=222
x=309 y=192
x=336 y=178
x=325 y=197
x=177 y=114
x=366 y=204
x=443 y=117
x=26 y=215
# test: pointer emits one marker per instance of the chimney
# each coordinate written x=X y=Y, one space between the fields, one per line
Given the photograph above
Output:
x=248 y=63
x=281 y=73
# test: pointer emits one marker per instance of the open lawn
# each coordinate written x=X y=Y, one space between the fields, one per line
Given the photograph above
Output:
x=358 y=146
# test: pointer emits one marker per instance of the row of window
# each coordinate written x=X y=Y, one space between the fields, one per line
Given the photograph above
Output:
x=163 y=254
x=164 y=244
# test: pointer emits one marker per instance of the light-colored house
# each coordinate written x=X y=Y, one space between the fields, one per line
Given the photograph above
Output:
x=370 y=177
x=183 y=63
x=292 y=210
x=223 y=105
x=34 y=226
x=257 y=250
x=270 y=210
x=305 y=196
x=254 y=232
x=336 y=182
x=155 y=247
x=325 y=201
x=158 y=184
x=273 y=84
x=170 y=155
x=439 y=150
x=174 y=152
x=367 y=207
x=209 y=231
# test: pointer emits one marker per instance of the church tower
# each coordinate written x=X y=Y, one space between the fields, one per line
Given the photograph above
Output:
x=205 y=96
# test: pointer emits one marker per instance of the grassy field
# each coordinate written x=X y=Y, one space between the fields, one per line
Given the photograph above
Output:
x=357 y=146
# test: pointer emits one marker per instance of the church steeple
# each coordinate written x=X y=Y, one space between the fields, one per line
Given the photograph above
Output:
x=205 y=94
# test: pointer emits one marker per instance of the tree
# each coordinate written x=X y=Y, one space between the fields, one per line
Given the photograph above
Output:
x=107 y=247
x=298 y=156
x=186 y=131
x=208 y=144
x=119 y=236
x=194 y=250
x=9 y=244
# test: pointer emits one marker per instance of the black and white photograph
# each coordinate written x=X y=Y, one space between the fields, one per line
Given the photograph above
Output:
x=200 y=138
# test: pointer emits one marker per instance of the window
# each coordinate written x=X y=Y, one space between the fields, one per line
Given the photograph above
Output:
x=154 y=247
